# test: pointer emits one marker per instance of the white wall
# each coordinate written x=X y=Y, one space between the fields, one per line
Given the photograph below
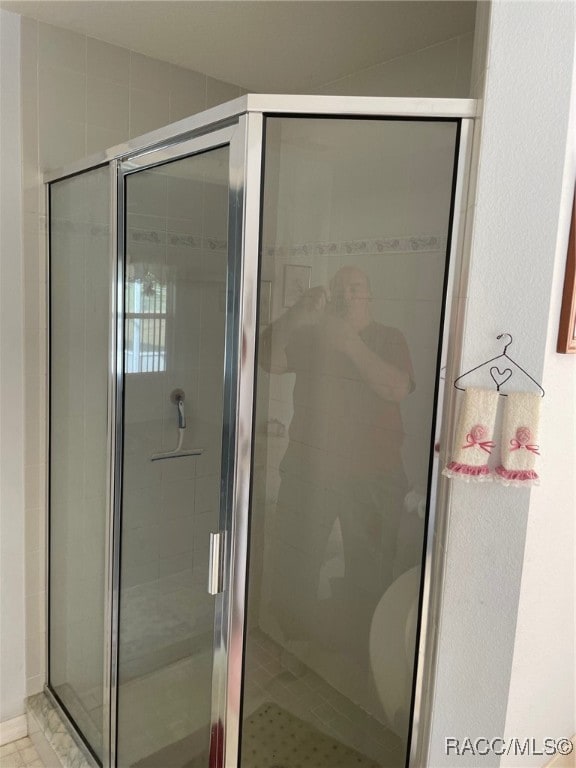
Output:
x=544 y=705
x=514 y=246
x=12 y=576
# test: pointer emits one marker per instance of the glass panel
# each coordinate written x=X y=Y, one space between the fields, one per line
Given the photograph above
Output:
x=356 y=217
x=176 y=266
x=79 y=324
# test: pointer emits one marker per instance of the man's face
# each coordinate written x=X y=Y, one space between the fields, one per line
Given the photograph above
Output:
x=350 y=290
x=356 y=290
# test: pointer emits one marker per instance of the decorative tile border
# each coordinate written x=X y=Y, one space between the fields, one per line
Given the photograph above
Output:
x=69 y=227
x=421 y=243
x=176 y=239
x=140 y=236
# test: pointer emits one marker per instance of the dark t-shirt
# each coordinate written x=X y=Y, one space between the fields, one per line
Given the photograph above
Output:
x=340 y=425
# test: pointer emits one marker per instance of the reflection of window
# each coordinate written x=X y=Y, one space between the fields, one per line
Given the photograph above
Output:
x=146 y=313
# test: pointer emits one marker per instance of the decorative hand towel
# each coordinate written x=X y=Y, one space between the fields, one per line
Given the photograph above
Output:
x=520 y=440
x=473 y=438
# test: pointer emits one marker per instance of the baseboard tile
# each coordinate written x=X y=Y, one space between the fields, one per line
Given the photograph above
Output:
x=10 y=730
x=47 y=754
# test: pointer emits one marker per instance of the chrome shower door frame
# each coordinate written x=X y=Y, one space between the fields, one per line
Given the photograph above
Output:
x=240 y=123
x=234 y=430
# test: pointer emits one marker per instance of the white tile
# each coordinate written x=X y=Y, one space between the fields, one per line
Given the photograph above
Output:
x=149 y=74
x=143 y=396
x=61 y=48
x=216 y=210
x=34 y=434
x=141 y=546
x=34 y=320
x=108 y=104
x=68 y=199
x=34 y=528
x=35 y=618
x=178 y=499
x=175 y=537
x=35 y=653
x=108 y=61
x=35 y=684
x=98 y=197
x=185 y=200
x=35 y=571
x=207 y=494
x=187 y=93
x=135 y=575
x=142 y=508
x=98 y=139
x=13 y=760
x=32 y=351
x=61 y=142
x=29 y=55
x=62 y=95
x=34 y=492
x=30 y=246
x=218 y=92
x=172 y=569
x=30 y=176
x=149 y=110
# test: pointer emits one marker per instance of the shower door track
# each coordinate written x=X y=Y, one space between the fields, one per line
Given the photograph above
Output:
x=246 y=117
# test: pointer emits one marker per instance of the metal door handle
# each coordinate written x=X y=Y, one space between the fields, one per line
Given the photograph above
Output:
x=215 y=563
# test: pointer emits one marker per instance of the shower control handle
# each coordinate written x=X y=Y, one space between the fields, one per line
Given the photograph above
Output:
x=215 y=564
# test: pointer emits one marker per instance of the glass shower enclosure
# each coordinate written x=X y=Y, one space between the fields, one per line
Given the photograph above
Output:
x=249 y=314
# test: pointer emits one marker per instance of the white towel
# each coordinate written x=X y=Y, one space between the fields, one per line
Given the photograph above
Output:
x=473 y=438
x=520 y=449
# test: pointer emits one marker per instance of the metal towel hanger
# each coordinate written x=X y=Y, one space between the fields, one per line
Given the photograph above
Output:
x=500 y=377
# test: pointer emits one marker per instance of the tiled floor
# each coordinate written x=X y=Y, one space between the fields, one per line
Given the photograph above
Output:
x=20 y=754
x=271 y=676
x=161 y=708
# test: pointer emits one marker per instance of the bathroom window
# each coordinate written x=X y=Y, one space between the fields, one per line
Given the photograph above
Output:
x=146 y=317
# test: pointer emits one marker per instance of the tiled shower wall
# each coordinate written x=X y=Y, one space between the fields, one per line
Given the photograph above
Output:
x=79 y=96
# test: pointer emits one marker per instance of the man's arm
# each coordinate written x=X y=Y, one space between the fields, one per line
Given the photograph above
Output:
x=274 y=340
x=386 y=379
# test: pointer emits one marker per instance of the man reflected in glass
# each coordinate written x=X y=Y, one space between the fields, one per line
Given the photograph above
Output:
x=343 y=465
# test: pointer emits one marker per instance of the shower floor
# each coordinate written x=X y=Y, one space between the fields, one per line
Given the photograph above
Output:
x=163 y=712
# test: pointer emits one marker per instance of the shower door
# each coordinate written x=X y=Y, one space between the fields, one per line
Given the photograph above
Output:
x=179 y=271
